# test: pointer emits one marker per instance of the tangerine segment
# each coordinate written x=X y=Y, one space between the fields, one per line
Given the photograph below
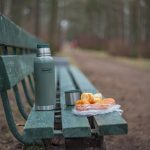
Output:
x=88 y=96
x=78 y=102
x=95 y=106
x=109 y=101
x=86 y=102
x=98 y=104
x=81 y=102
x=97 y=100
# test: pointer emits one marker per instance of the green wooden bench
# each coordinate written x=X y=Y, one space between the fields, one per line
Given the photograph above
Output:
x=42 y=126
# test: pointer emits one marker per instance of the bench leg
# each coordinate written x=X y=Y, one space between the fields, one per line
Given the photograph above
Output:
x=44 y=144
x=75 y=144
x=49 y=145
x=93 y=143
x=102 y=145
x=32 y=147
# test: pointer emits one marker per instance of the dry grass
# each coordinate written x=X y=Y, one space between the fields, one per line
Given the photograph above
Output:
x=141 y=63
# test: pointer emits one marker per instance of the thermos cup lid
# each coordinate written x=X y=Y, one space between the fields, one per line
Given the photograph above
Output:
x=71 y=96
x=43 y=50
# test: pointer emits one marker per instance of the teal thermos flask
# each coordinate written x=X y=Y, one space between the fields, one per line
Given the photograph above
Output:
x=44 y=74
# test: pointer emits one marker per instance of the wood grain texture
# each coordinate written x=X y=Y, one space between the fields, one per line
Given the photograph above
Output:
x=40 y=125
x=14 y=68
x=73 y=126
x=13 y=35
x=106 y=124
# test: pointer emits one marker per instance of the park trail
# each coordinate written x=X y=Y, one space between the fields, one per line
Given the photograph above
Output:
x=130 y=86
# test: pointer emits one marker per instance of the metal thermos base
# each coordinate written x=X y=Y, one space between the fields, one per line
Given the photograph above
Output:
x=49 y=107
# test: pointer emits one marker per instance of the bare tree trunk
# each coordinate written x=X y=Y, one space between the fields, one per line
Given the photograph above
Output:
x=1 y=7
x=126 y=11
x=53 y=25
x=142 y=20
x=108 y=28
x=103 y=25
x=37 y=17
x=5 y=7
x=147 y=16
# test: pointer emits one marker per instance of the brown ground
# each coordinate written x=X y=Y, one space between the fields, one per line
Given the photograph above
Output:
x=128 y=85
x=7 y=141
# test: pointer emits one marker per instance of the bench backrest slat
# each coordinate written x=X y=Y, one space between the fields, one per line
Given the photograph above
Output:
x=13 y=69
x=13 y=35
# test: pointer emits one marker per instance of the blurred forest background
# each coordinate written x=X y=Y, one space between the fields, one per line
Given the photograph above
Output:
x=90 y=32
x=120 y=27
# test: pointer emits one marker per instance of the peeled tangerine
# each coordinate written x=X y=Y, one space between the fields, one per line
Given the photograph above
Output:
x=81 y=102
x=88 y=96
x=93 y=102
x=92 y=98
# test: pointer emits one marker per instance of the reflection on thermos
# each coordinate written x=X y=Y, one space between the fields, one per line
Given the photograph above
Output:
x=44 y=73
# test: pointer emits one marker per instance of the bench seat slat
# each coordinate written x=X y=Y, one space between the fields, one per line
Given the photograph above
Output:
x=118 y=124
x=40 y=124
x=106 y=124
x=73 y=126
x=82 y=81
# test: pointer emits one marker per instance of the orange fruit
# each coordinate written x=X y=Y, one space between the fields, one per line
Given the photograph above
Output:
x=86 y=102
x=78 y=102
x=88 y=96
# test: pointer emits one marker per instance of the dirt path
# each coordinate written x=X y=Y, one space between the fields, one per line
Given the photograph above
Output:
x=130 y=87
